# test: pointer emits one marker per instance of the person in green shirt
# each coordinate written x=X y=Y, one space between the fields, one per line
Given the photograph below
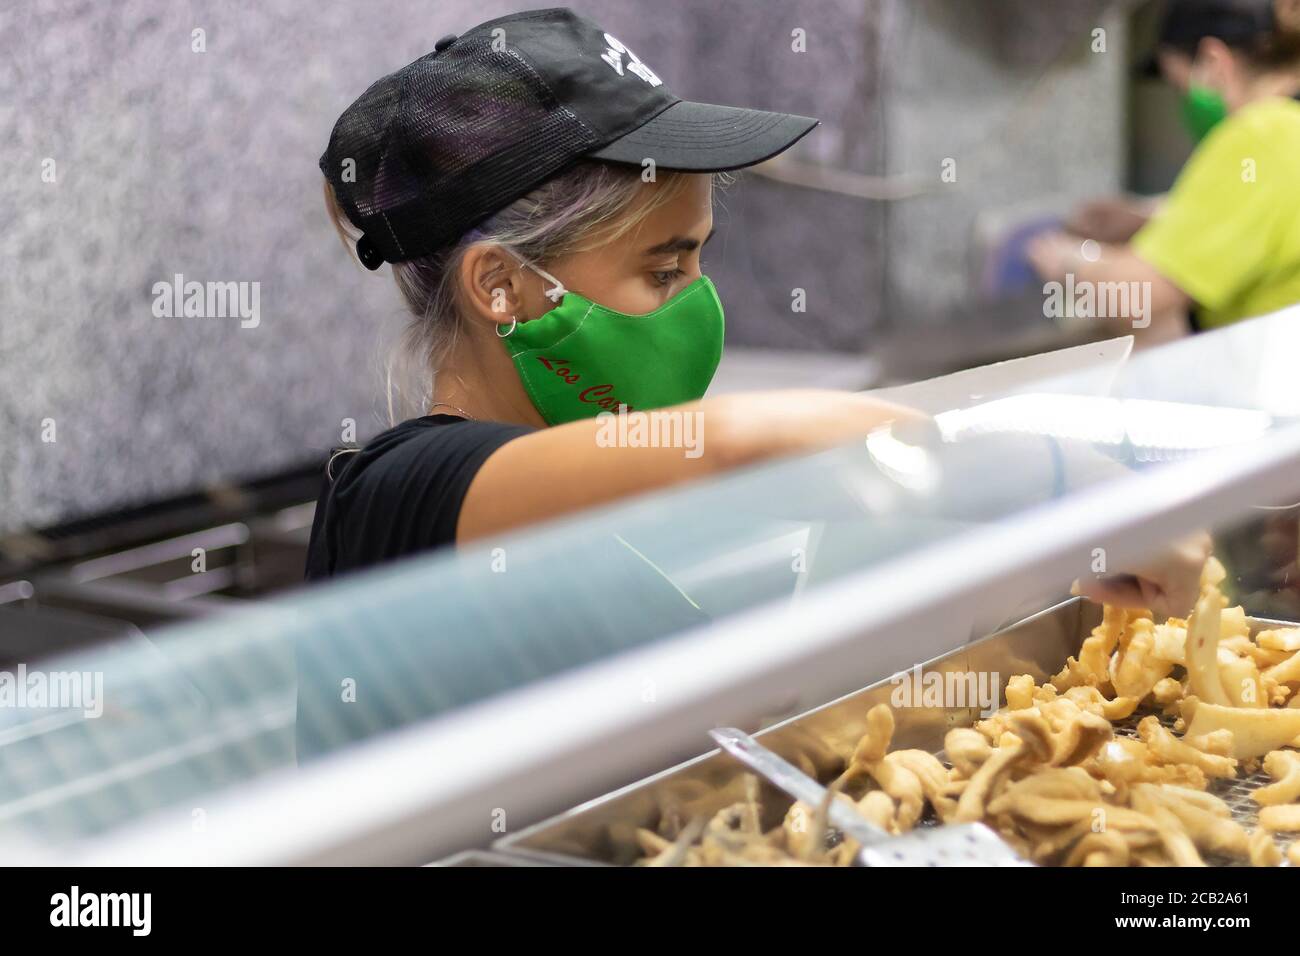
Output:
x=1224 y=245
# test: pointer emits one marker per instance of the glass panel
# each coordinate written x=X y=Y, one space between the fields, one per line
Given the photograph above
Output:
x=225 y=700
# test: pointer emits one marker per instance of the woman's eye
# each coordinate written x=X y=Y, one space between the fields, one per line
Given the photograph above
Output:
x=667 y=277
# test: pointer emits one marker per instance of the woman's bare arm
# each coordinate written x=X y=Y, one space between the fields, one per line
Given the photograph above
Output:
x=570 y=467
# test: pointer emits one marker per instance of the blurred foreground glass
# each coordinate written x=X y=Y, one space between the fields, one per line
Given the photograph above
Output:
x=130 y=728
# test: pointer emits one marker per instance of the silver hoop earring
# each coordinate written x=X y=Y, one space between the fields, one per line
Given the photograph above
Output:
x=509 y=331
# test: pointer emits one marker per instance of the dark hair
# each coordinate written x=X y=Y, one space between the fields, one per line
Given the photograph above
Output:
x=1279 y=48
x=1264 y=33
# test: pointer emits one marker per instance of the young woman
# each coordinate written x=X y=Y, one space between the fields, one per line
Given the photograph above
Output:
x=1224 y=245
x=544 y=202
x=551 y=260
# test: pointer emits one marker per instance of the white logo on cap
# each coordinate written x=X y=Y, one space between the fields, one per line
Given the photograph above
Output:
x=614 y=57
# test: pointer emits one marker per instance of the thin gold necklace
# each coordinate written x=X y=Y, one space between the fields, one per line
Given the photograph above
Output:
x=456 y=408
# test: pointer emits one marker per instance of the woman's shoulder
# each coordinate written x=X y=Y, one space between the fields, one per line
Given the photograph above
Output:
x=421 y=443
x=401 y=492
x=1272 y=122
x=1257 y=148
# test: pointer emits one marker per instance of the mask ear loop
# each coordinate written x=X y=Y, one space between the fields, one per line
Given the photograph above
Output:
x=556 y=292
x=557 y=289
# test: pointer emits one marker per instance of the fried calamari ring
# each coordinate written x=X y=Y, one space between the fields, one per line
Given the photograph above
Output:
x=1284 y=767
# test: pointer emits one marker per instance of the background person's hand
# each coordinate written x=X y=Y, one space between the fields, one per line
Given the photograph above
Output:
x=1053 y=253
x=1169 y=584
x=1113 y=219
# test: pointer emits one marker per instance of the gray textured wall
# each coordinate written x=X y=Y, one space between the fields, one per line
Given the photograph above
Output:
x=172 y=161
x=1023 y=106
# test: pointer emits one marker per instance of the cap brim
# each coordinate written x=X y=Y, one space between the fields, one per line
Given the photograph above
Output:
x=705 y=138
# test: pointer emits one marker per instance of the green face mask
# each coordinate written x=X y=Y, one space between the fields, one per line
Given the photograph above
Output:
x=1203 y=109
x=581 y=359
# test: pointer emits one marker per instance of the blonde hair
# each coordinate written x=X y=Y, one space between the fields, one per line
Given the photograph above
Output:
x=590 y=205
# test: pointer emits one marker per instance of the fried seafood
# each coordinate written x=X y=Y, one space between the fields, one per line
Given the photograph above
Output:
x=1049 y=774
x=1286 y=818
x=1263 y=850
x=1254 y=731
x=1284 y=767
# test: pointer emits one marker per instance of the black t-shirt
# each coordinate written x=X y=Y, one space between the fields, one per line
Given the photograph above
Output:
x=469 y=634
x=401 y=493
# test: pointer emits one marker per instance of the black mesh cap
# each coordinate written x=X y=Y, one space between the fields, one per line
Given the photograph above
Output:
x=430 y=151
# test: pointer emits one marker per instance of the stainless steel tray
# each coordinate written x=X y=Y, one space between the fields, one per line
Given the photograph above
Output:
x=602 y=831
x=483 y=858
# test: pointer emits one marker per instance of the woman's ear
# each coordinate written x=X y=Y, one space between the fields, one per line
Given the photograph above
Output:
x=491 y=283
x=1216 y=66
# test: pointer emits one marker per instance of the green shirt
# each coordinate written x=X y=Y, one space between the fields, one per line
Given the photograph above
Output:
x=1229 y=233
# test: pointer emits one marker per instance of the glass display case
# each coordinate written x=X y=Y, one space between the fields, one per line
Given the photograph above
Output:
x=438 y=704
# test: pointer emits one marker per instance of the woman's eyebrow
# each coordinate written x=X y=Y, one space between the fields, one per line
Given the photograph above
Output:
x=678 y=244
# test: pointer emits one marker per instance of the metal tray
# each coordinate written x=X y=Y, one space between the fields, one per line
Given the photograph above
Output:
x=483 y=858
x=602 y=831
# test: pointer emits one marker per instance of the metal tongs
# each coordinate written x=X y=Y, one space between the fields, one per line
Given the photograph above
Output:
x=964 y=844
